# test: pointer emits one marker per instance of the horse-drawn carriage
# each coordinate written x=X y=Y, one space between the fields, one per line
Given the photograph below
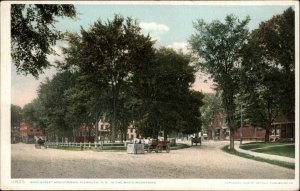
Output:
x=196 y=140
x=158 y=146
x=40 y=143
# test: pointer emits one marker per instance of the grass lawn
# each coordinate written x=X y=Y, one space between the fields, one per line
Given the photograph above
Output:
x=281 y=149
x=180 y=146
x=287 y=151
x=278 y=163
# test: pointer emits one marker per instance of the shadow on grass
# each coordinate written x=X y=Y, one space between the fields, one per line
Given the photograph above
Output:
x=286 y=149
x=180 y=146
x=275 y=162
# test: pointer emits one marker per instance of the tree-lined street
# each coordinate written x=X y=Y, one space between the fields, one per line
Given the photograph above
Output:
x=114 y=72
x=207 y=161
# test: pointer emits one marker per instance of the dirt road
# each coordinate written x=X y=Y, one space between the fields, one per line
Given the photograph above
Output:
x=206 y=161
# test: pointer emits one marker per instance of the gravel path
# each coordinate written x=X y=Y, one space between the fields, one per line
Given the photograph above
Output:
x=206 y=161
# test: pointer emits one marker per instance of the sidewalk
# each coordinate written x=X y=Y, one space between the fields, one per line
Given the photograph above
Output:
x=263 y=155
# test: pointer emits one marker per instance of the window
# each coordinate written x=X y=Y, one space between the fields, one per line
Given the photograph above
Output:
x=131 y=130
x=131 y=136
x=31 y=130
x=102 y=126
x=38 y=130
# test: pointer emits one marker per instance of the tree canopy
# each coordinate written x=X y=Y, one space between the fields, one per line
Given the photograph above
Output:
x=107 y=55
x=276 y=39
x=16 y=115
x=218 y=47
x=33 y=34
x=267 y=72
x=167 y=103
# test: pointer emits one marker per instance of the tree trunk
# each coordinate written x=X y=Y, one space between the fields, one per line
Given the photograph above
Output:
x=267 y=135
x=231 y=139
x=74 y=135
x=96 y=129
x=113 y=125
x=165 y=135
x=122 y=135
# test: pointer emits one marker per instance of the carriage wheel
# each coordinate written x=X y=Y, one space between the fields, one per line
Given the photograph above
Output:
x=158 y=148
x=168 y=148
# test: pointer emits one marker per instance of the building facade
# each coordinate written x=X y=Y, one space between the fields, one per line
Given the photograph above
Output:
x=217 y=129
x=28 y=133
x=103 y=130
x=84 y=134
x=87 y=133
x=282 y=130
x=131 y=132
x=248 y=132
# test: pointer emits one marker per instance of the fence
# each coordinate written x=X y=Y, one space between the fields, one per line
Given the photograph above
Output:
x=89 y=145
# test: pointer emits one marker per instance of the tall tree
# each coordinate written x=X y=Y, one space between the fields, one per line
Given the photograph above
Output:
x=54 y=104
x=267 y=72
x=276 y=38
x=165 y=100
x=33 y=114
x=33 y=34
x=106 y=55
x=212 y=103
x=16 y=115
x=218 y=46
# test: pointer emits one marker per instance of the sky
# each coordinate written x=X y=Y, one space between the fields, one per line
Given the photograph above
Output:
x=169 y=25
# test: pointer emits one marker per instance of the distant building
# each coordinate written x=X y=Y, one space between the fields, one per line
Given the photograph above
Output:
x=217 y=129
x=27 y=133
x=131 y=132
x=283 y=130
x=85 y=133
x=103 y=129
x=250 y=133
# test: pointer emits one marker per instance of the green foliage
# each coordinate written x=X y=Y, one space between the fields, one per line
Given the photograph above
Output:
x=212 y=103
x=33 y=34
x=267 y=72
x=276 y=39
x=50 y=110
x=218 y=47
x=164 y=101
x=113 y=70
x=16 y=115
x=106 y=56
x=33 y=114
x=286 y=149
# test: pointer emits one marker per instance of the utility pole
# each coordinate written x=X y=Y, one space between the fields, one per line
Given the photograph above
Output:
x=241 y=130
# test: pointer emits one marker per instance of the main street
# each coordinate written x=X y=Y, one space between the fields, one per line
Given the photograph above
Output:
x=207 y=161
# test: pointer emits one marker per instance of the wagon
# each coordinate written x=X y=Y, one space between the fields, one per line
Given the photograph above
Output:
x=40 y=143
x=158 y=146
x=196 y=140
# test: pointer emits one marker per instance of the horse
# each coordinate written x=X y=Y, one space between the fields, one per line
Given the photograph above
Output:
x=40 y=143
x=196 y=140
